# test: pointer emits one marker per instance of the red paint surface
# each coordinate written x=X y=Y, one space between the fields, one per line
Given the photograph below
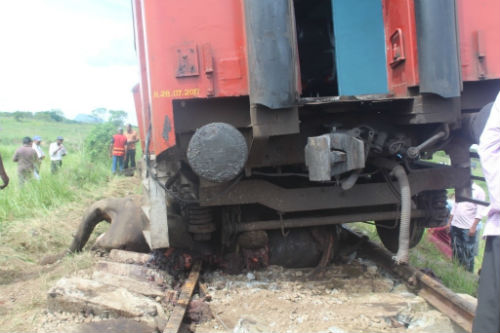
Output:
x=479 y=16
x=138 y=107
x=208 y=35
x=208 y=38
x=479 y=35
x=400 y=14
x=141 y=93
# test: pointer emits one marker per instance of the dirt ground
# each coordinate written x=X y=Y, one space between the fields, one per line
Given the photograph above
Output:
x=353 y=297
x=23 y=281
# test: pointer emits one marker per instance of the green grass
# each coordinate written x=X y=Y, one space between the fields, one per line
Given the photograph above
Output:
x=426 y=256
x=78 y=174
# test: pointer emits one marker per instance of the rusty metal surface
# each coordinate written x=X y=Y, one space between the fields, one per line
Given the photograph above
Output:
x=327 y=220
x=446 y=301
x=318 y=198
x=187 y=60
x=194 y=113
x=271 y=122
x=273 y=80
x=177 y=315
x=217 y=152
x=456 y=308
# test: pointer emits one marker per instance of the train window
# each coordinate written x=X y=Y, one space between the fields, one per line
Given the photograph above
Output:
x=314 y=24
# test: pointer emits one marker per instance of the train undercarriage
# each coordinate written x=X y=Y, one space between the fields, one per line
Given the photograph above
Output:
x=223 y=184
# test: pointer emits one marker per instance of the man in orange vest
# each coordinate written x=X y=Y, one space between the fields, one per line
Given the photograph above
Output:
x=117 y=150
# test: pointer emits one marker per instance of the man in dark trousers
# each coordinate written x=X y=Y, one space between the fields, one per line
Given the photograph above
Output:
x=117 y=150
x=131 y=141
x=3 y=175
x=488 y=308
x=25 y=157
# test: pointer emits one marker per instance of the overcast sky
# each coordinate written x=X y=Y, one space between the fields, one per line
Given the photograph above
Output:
x=73 y=55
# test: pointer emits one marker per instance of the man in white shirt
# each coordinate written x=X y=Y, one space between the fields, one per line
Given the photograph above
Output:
x=39 y=152
x=488 y=308
x=56 y=152
x=462 y=223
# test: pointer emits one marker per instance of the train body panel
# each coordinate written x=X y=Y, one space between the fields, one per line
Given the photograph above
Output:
x=401 y=45
x=257 y=115
x=138 y=106
x=479 y=39
x=194 y=49
x=141 y=92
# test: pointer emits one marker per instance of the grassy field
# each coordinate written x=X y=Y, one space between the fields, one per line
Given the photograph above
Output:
x=39 y=219
x=77 y=175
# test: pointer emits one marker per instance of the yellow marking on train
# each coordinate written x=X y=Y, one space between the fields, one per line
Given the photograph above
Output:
x=168 y=93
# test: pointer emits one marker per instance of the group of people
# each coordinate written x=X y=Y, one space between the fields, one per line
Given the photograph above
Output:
x=29 y=158
x=30 y=155
x=122 y=149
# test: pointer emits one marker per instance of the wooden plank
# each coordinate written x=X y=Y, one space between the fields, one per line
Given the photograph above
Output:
x=82 y=295
x=177 y=315
x=133 y=271
x=145 y=288
x=129 y=257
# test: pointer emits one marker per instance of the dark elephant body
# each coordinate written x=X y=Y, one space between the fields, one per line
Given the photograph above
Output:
x=127 y=224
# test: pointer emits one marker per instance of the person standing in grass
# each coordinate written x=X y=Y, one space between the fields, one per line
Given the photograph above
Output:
x=3 y=175
x=39 y=152
x=131 y=141
x=117 y=150
x=56 y=152
x=487 y=317
x=462 y=225
x=25 y=157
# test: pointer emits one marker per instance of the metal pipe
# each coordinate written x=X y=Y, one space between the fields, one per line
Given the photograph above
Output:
x=414 y=151
x=322 y=220
x=399 y=172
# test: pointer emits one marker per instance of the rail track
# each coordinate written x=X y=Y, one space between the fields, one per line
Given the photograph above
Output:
x=297 y=287
x=435 y=293
x=460 y=311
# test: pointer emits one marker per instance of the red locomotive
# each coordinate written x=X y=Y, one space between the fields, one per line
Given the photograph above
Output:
x=259 y=118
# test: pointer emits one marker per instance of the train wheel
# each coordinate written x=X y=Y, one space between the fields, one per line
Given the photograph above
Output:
x=389 y=235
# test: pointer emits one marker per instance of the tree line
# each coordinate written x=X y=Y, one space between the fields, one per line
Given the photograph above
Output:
x=117 y=117
x=55 y=115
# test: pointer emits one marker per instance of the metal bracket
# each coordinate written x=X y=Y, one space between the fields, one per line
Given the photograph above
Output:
x=187 y=60
x=333 y=154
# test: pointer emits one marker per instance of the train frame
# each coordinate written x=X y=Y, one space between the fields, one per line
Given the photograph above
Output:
x=279 y=114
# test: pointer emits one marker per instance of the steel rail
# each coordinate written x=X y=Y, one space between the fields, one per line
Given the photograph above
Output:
x=175 y=320
x=435 y=293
